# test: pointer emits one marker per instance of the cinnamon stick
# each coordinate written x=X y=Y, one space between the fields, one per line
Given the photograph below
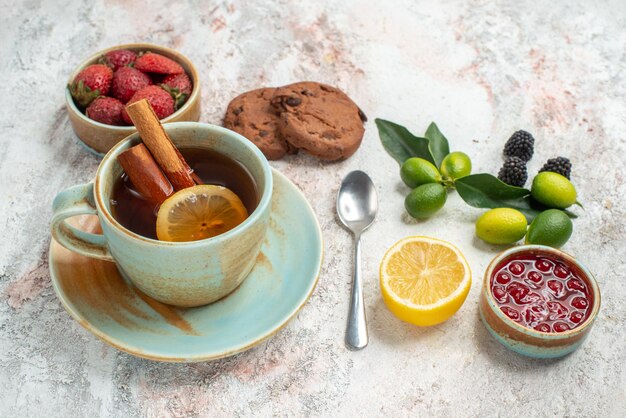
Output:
x=160 y=145
x=145 y=174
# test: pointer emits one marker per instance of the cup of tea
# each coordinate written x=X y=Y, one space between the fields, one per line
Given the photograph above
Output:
x=182 y=274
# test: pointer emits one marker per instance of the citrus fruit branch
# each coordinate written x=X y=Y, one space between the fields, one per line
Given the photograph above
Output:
x=481 y=190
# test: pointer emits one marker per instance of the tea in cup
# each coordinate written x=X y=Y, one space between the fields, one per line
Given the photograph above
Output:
x=186 y=274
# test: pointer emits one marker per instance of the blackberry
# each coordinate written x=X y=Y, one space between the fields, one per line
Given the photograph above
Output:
x=560 y=165
x=514 y=172
x=521 y=145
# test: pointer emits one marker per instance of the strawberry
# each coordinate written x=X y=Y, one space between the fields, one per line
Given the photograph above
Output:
x=178 y=81
x=179 y=86
x=159 y=99
x=93 y=81
x=156 y=63
x=106 y=110
x=118 y=59
x=128 y=81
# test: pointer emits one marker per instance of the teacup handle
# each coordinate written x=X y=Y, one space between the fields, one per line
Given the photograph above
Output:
x=77 y=200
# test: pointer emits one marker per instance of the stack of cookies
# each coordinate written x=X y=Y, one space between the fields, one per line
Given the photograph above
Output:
x=314 y=117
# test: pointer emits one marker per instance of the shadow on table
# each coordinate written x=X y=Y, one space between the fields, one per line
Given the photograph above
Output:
x=488 y=248
x=385 y=327
x=489 y=347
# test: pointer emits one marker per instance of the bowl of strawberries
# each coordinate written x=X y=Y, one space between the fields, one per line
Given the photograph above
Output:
x=102 y=85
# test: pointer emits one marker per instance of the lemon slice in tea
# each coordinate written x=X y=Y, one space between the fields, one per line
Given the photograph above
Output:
x=199 y=212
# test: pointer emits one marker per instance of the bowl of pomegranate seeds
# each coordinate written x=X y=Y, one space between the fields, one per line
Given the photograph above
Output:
x=100 y=88
x=539 y=301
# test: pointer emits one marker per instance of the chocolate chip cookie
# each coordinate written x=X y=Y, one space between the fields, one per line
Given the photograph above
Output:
x=252 y=115
x=320 y=119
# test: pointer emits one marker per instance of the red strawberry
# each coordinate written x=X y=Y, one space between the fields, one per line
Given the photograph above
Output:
x=106 y=110
x=161 y=102
x=93 y=81
x=178 y=81
x=128 y=81
x=156 y=63
x=118 y=59
x=179 y=86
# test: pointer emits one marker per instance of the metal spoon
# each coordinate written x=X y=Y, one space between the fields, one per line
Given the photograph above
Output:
x=357 y=204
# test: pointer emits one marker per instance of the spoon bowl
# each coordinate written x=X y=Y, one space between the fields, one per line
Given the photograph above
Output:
x=357 y=202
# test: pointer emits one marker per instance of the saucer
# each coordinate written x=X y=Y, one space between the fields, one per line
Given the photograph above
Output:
x=281 y=282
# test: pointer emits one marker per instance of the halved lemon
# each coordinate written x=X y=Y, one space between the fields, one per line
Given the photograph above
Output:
x=424 y=280
x=199 y=212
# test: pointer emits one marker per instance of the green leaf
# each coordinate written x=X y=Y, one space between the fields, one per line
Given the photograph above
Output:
x=437 y=143
x=486 y=191
x=540 y=208
x=483 y=187
x=82 y=94
x=402 y=144
x=179 y=98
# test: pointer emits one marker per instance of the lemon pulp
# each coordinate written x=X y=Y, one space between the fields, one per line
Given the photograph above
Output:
x=199 y=212
x=424 y=280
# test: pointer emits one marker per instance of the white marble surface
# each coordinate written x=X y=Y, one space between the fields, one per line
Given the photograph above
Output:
x=480 y=69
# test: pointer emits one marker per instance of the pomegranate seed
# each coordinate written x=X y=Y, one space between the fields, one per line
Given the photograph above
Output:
x=557 y=311
x=576 y=317
x=533 y=297
x=531 y=317
x=518 y=292
x=542 y=327
x=580 y=302
x=511 y=313
x=575 y=284
x=556 y=287
x=534 y=276
x=503 y=278
x=499 y=293
x=543 y=265
x=561 y=271
x=516 y=268
x=560 y=327
x=539 y=306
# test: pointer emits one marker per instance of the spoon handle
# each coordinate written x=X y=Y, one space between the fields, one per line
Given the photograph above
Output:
x=356 y=331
